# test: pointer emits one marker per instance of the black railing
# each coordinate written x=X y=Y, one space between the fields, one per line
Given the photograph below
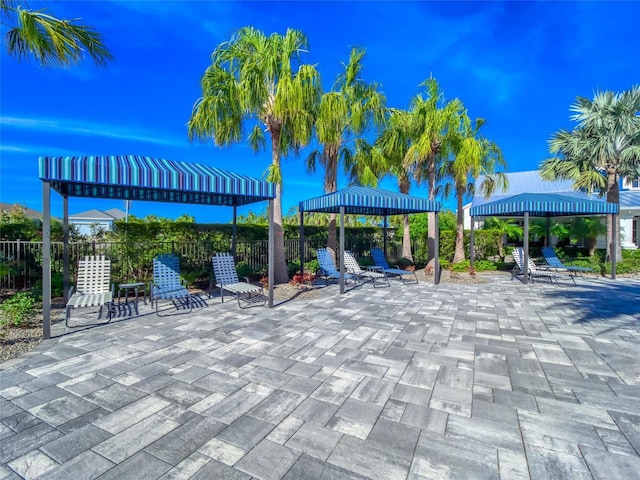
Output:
x=21 y=262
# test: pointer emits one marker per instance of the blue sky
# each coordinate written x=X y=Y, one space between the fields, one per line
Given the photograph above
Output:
x=519 y=65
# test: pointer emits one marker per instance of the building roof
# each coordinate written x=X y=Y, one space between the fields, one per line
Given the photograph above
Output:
x=630 y=199
x=95 y=214
x=29 y=212
x=133 y=177
x=369 y=201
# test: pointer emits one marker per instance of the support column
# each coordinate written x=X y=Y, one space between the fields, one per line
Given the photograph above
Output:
x=65 y=248
x=234 y=234
x=46 y=260
x=526 y=248
x=436 y=253
x=614 y=244
x=302 y=257
x=341 y=252
x=272 y=235
x=384 y=232
x=472 y=250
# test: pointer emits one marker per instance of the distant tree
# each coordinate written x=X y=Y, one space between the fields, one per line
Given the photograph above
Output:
x=506 y=228
x=15 y=225
x=604 y=146
x=53 y=42
x=253 y=80
x=588 y=228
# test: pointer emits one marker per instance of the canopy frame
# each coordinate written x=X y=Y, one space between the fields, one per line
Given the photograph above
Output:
x=367 y=201
x=542 y=205
x=132 y=177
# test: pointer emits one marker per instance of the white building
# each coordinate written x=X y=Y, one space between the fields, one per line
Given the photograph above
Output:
x=85 y=221
x=530 y=182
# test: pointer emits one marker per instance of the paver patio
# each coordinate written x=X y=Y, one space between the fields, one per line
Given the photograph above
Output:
x=494 y=380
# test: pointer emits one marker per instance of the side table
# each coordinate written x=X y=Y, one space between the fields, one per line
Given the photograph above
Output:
x=126 y=287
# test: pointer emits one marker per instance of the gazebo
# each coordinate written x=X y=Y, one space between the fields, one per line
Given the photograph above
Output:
x=542 y=205
x=367 y=201
x=134 y=177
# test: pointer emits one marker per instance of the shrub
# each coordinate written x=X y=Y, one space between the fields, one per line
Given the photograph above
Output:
x=485 y=266
x=244 y=269
x=17 y=309
x=463 y=266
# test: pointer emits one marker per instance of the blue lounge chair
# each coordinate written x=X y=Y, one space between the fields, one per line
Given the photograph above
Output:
x=534 y=270
x=327 y=267
x=167 y=283
x=379 y=260
x=553 y=261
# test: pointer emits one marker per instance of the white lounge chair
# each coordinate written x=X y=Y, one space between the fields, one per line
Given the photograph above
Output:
x=92 y=287
x=327 y=267
x=354 y=268
x=227 y=279
x=534 y=271
x=168 y=284
x=379 y=260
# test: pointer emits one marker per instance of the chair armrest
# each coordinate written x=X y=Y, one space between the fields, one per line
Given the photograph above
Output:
x=246 y=279
x=71 y=290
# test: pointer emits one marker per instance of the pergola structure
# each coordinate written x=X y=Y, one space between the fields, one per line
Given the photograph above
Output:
x=545 y=205
x=367 y=201
x=133 y=177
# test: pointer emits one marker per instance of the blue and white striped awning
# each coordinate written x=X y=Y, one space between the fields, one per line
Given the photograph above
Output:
x=132 y=177
x=368 y=201
x=543 y=205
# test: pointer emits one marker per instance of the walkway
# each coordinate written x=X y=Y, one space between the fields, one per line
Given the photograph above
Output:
x=499 y=380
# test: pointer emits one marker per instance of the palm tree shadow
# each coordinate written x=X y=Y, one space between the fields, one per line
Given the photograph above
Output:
x=602 y=300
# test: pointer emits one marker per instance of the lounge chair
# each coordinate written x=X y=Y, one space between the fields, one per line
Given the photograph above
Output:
x=353 y=268
x=92 y=287
x=534 y=270
x=379 y=260
x=227 y=279
x=168 y=284
x=327 y=267
x=553 y=261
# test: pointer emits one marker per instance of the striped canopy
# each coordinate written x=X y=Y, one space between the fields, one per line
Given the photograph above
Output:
x=368 y=201
x=132 y=177
x=543 y=205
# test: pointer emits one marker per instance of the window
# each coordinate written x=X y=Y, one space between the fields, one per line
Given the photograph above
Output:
x=635 y=183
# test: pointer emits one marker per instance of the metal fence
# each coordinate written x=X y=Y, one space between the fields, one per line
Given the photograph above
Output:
x=21 y=261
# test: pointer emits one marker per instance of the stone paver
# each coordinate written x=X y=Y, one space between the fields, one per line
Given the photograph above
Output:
x=494 y=380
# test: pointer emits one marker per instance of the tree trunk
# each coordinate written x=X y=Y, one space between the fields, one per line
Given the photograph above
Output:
x=613 y=196
x=458 y=255
x=591 y=244
x=330 y=186
x=406 y=238
x=404 y=185
x=280 y=267
x=431 y=216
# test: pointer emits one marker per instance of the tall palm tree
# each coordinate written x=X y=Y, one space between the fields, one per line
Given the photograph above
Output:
x=393 y=143
x=344 y=113
x=252 y=79
x=433 y=124
x=604 y=146
x=53 y=42
x=472 y=156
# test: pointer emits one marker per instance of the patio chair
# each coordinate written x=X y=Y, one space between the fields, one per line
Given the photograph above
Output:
x=353 y=268
x=92 y=287
x=533 y=270
x=327 y=267
x=553 y=261
x=168 y=284
x=226 y=275
x=380 y=261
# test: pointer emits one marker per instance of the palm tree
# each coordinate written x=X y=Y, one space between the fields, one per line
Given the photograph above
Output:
x=51 y=41
x=588 y=228
x=603 y=147
x=473 y=156
x=346 y=111
x=433 y=124
x=252 y=78
x=393 y=143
